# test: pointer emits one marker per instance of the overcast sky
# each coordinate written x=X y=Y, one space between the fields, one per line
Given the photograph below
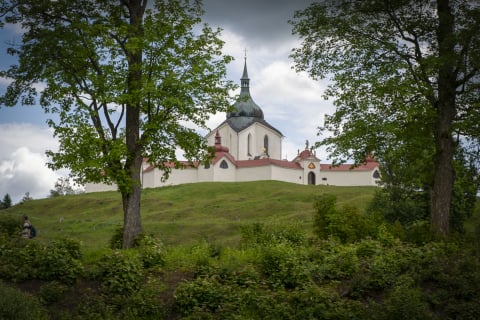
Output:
x=291 y=101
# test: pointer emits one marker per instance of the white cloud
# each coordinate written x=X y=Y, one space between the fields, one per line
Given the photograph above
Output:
x=23 y=161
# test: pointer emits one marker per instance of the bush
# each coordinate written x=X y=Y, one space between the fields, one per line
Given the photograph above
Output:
x=116 y=240
x=284 y=266
x=10 y=226
x=406 y=301
x=146 y=303
x=347 y=224
x=52 y=292
x=27 y=259
x=121 y=272
x=151 y=251
x=15 y=304
x=59 y=260
x=260 y=234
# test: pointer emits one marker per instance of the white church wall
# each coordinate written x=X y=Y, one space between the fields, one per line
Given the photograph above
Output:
x=205 y=175
x=254 y=173
x=243 y=144
x=274 y=141
x=347 y=178
x=224 y=174
x=177 y=176
x=99 y=187
x=287 y=175
x=148 y=178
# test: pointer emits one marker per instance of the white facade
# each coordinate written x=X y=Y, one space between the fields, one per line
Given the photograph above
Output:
x=248 y=148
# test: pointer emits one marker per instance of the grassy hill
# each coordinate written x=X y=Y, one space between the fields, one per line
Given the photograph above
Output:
x=186 y=213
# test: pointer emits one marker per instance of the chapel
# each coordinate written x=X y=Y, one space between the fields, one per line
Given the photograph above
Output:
x=248 y=148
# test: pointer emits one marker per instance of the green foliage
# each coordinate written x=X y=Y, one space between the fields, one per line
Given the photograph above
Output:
x=121 y=272
x=10 y=225
x=52 y=292
x=28 y=259
x=284 y=266
x=395 y=92
x=261 y=234
x=399 y=204
x=151 y=251
x=15 y=304
x=6 y=202
x=405 y=300
x=62 y=188
x=146 y=303
x=347 y=224
x=117 y=239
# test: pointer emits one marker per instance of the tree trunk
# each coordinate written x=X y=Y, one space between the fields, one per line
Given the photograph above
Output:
x=131 y=194
x=132 y=221
x=443 y=179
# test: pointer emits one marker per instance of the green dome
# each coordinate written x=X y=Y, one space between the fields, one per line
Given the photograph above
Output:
x=245 y=106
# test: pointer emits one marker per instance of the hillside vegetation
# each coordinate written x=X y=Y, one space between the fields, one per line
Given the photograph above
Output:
x=186 y=213
x=253 y=250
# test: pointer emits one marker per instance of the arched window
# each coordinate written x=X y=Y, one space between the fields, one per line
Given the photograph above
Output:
x=224 y=164
x=311 y=178
x=376 y=174
x=265 y=144
x=249 y=145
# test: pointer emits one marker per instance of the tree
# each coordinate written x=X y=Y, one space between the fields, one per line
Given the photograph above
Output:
x=127 y=81
x=26 y=197
x=62 y=188
x=405 y=79
x=6 y=202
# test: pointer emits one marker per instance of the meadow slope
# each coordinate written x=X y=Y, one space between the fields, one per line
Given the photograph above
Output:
x=186 y=213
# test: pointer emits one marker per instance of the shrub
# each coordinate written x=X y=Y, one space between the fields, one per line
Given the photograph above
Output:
x=405 y=301
x=15 y=304
x=116 y=240
x=121 y=272
x=203 y=294
x=284 y=266
x=347 y=224
x=260 y=234
x=10 y=225
x=55 y=261
x=26 y=259
x=145 y=303
x=151 y=251
x=52 y=292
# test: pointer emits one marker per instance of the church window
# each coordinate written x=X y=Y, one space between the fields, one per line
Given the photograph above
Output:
x=311 y=178
x=265 y=144
x=249 y=145
x=376 y=174
x=224 y=164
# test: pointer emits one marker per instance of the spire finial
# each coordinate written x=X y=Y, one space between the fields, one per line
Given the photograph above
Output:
x=244 y=79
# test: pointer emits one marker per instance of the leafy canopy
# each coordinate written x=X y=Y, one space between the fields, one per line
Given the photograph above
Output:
x=81 y=54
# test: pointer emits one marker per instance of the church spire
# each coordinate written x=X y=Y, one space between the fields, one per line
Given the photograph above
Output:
x=244 y=80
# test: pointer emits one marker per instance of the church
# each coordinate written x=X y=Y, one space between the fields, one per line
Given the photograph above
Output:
x=248 y=148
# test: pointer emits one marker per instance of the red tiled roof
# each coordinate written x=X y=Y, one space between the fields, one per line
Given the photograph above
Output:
x=268 y=161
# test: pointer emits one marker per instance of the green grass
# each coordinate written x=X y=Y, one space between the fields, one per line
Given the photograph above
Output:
x=184 y=214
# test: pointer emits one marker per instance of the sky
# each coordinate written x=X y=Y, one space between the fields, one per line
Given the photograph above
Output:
x=291 y=102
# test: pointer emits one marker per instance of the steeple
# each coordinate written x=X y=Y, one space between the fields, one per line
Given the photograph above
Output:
x=244 y=80
x=245 y=108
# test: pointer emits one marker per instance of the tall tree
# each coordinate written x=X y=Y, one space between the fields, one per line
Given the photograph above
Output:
x=405 y=81
x=127 y=80
x=6 y=202
x=62 y=188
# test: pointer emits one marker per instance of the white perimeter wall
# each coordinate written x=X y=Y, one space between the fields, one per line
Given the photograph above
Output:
x=347 y=178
